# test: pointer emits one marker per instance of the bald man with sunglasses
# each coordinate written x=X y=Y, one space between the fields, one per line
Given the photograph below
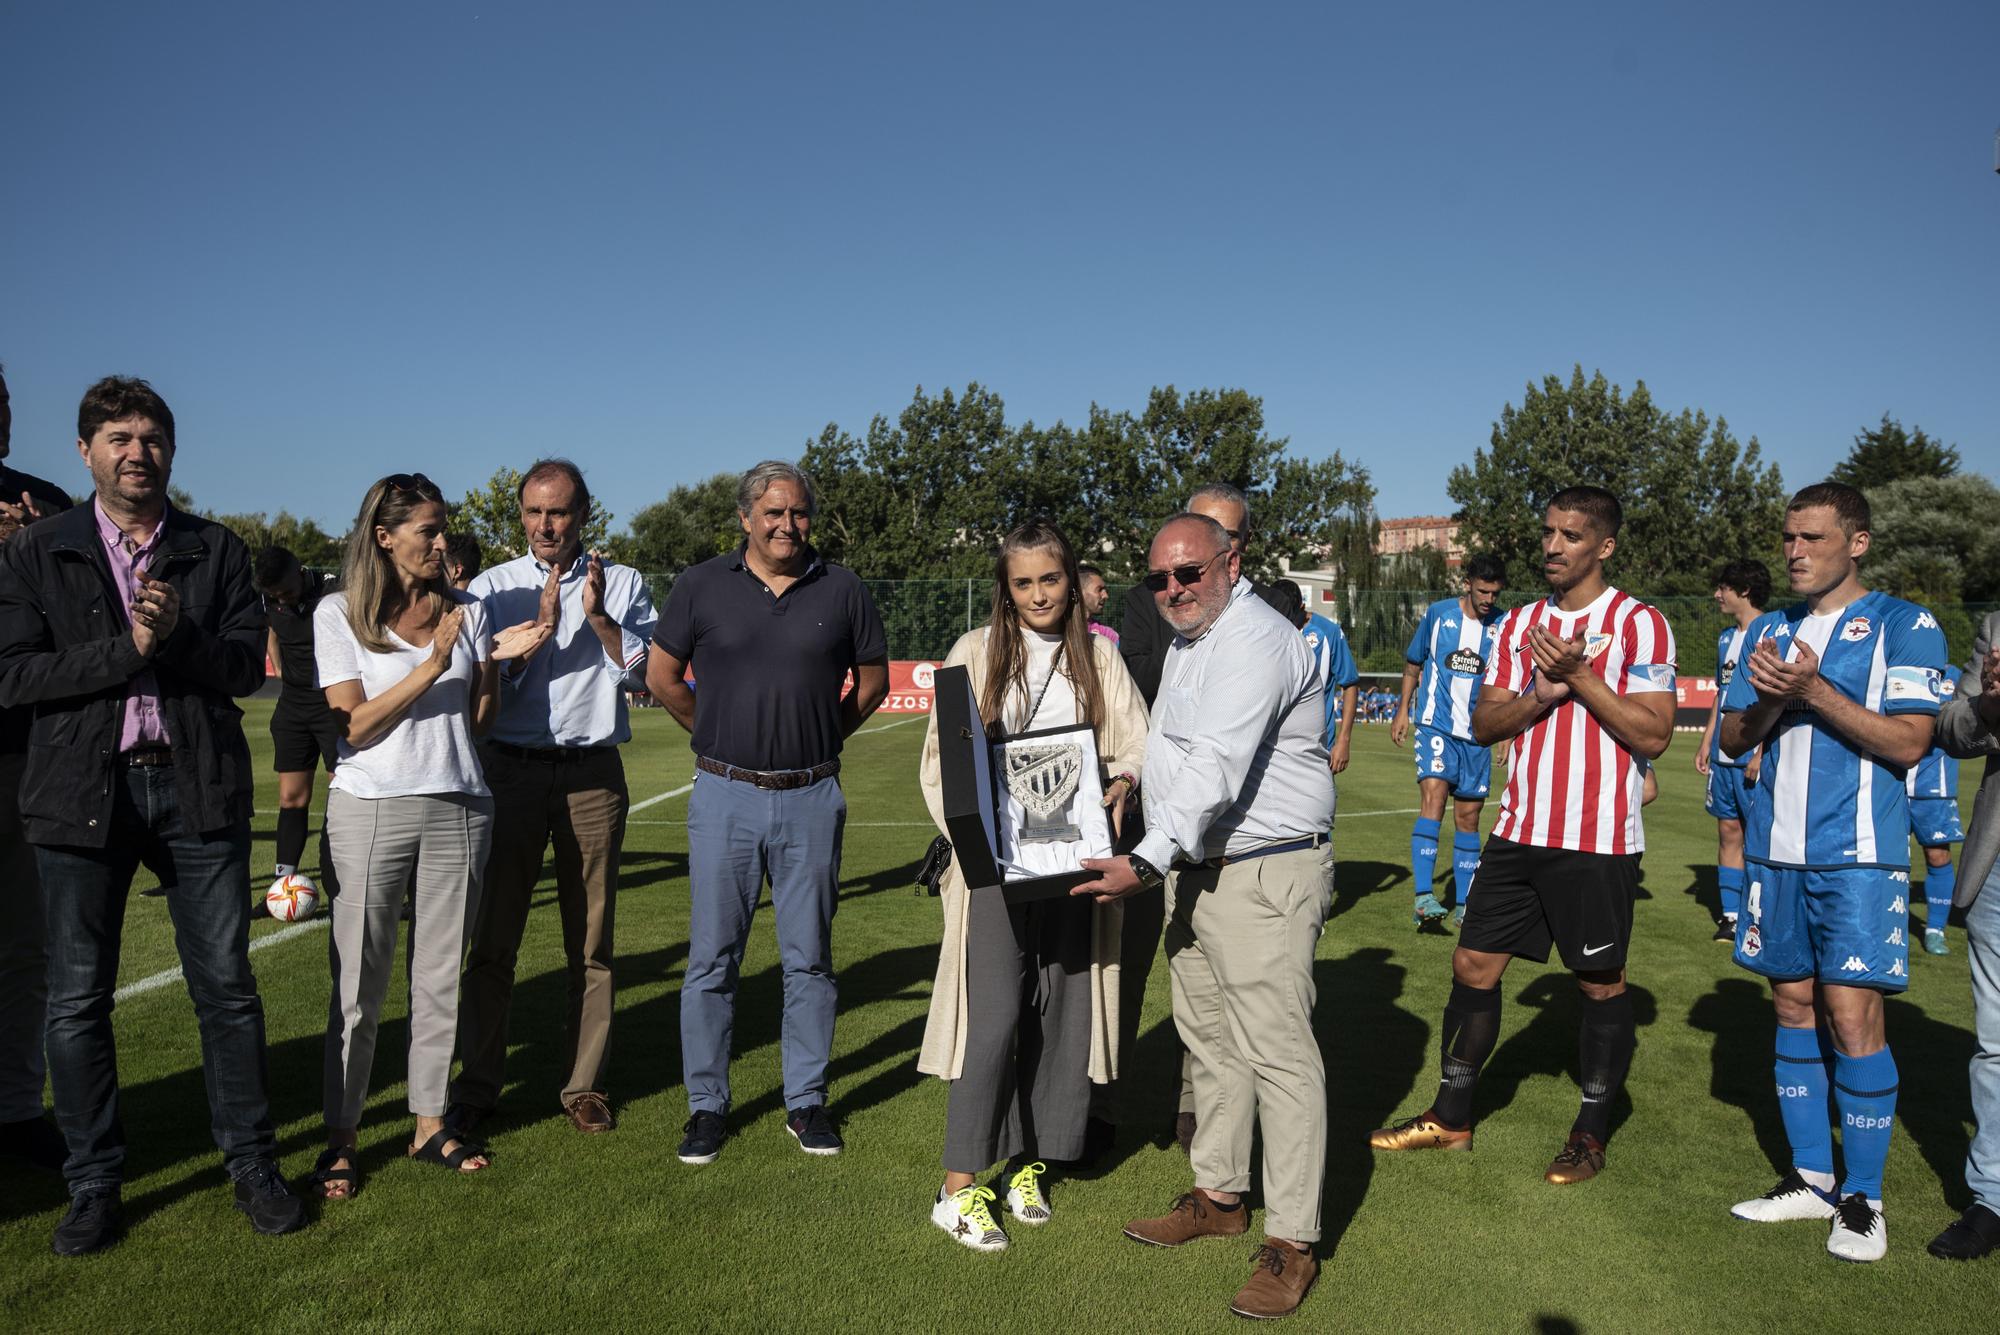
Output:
x=1236 y=817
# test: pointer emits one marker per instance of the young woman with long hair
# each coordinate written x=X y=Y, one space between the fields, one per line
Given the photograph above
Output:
x=410 y=672
x=1024 y=1014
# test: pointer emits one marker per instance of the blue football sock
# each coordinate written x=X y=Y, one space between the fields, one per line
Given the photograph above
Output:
x=1802 y=1099
x=1864 y=1089
x=1464 y=862
x=1424 y=855
x=1729 y=884
x=1939 y=882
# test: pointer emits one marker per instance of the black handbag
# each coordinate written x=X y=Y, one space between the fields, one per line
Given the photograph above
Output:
x=930 y=872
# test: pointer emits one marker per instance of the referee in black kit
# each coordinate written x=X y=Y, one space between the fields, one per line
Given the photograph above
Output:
x=303 y=731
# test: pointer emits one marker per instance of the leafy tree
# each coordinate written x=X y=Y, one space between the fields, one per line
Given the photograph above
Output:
x=492 y=514
x=1933 y=542
x=1889 y=454
x=1692 y=494
x=303 y=538
x=696 y=521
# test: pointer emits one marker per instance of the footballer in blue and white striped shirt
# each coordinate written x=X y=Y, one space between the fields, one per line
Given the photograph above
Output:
x=1843 y=693
x=1445 y=664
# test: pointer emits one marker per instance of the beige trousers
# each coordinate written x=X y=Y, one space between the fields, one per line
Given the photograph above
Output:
x=1240 y=944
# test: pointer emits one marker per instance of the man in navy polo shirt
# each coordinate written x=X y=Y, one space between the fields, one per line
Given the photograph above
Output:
x=771 y=632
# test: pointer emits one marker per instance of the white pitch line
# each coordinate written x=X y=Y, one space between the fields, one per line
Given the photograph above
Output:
x=884 y=727
x=165 y=976
x=655 y=801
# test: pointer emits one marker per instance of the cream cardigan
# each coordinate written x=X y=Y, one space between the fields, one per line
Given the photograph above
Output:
x=1121 y=742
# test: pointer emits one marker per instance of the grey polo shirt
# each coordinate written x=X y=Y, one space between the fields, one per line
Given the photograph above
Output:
x=768 y=669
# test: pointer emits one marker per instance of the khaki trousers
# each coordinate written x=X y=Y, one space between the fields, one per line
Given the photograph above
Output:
x=1240 y=945
x=579 y=806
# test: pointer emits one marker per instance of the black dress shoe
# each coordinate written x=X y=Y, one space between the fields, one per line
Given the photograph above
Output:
x=34 y=1141
x=93 y=1223
x=273 y=1207
x=1971 y=1236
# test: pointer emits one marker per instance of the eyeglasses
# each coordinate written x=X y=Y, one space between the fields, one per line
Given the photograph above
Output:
x=413 y=482
x=1156 y=580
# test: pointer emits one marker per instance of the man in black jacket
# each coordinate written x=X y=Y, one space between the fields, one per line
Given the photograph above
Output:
x=24 y=970
x=129 y=627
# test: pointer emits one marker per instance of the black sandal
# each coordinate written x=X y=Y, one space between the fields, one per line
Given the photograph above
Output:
x=324 y=1174
x=433 y=1151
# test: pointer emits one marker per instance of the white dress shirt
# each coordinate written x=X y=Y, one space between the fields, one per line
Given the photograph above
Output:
x=1235 y=759
x=571 y=693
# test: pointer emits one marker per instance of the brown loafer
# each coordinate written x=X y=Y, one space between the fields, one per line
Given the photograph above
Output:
x=1582 y=1158
x=589 y=1113
x=1193 y=1216
x=1280 y=1277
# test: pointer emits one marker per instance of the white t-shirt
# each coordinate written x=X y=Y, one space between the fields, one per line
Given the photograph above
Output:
x=430 y=749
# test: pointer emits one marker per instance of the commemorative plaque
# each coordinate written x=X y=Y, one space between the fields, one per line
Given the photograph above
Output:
x=1022 y=812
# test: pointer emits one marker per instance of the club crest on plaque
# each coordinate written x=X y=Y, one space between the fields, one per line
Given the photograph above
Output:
x=1043 y=778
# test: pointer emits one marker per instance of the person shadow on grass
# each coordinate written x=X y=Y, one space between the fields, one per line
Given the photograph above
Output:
x=1546 y=1045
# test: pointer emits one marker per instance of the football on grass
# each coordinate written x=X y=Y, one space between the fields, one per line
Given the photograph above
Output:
x=292 y=898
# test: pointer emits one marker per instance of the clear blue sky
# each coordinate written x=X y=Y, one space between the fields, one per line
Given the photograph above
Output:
x=350 y=239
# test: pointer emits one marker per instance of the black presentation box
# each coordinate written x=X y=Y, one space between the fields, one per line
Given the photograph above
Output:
x=972 y=793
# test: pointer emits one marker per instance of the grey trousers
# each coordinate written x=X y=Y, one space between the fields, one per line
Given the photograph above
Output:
x=1025 y=1087
x=1240 y=943
x=24 y=964
x=376 y=842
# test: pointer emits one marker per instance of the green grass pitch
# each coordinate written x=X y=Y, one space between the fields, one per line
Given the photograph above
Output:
x=611 y=1232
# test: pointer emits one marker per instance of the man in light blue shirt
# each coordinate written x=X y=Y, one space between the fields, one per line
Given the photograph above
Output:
x=552 y=763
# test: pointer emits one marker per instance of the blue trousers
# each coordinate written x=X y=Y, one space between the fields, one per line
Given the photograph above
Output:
x=208 y=899
x=740 y=836
x=1982 y=934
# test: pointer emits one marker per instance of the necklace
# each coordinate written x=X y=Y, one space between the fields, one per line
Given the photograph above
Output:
x=1055 y=665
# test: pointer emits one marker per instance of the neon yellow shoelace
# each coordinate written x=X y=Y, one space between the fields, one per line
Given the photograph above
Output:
x=972 y=1204
x=1027 y=1183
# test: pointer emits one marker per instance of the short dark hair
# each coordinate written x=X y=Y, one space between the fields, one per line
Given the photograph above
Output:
x=543 y=469
x=1289 y=599
x=1848 y=504
x=1599 y=505
x=1086 y=568
x=271 y=567
x=1486 y=568
x=117 y=397
x=462 y=550
x=1748 y=578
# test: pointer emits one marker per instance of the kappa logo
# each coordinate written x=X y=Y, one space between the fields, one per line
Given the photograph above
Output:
x=1854 y=965
x=1594 y=645
x=1782 y=631
x=1465 y=660
x=1896 y=969
x=1895 y=938
x=1925 y=621
x=1856 y=630
x=1939 y=836
x=1896 y=905
x=1900 y=877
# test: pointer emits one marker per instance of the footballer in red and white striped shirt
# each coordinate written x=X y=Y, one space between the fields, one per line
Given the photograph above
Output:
x=1581 y=687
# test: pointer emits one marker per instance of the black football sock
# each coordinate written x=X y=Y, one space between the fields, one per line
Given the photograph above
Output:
x=291 y=839
x=1471 y=1028
x=1604 y=1046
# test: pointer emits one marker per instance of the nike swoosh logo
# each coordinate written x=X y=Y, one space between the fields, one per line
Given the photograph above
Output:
x=1592 y=950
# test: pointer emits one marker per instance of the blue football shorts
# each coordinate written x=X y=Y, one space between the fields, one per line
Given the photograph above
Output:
x=1729 y=792
x=1466 y=768
x=1842 y=925
x=1934 y=821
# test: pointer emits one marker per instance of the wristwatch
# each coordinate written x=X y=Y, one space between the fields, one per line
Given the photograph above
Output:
x=1149 y=875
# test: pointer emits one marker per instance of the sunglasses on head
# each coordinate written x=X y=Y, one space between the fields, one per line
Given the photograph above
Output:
x=412 y=482
x=1156 y=580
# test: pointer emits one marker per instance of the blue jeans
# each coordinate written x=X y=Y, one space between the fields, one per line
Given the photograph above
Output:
x=83 y=896
x=739 y=834
x=1982 y=931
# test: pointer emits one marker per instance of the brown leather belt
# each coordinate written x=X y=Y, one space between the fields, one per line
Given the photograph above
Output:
x=779 y=780
x=1289 y=846
x=149 y=757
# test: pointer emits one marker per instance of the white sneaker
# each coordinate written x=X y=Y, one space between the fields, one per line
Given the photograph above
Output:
x=1860 y=1233
x=966 y=1215
x=1024 y=1195
x=1792 y=1198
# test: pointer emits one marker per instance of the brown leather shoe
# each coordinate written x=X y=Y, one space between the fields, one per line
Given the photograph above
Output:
x=1193 y=1216
x=589 y=1113
x=1280 y=1278
x=1422 y=1132
x=1582 y=1158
